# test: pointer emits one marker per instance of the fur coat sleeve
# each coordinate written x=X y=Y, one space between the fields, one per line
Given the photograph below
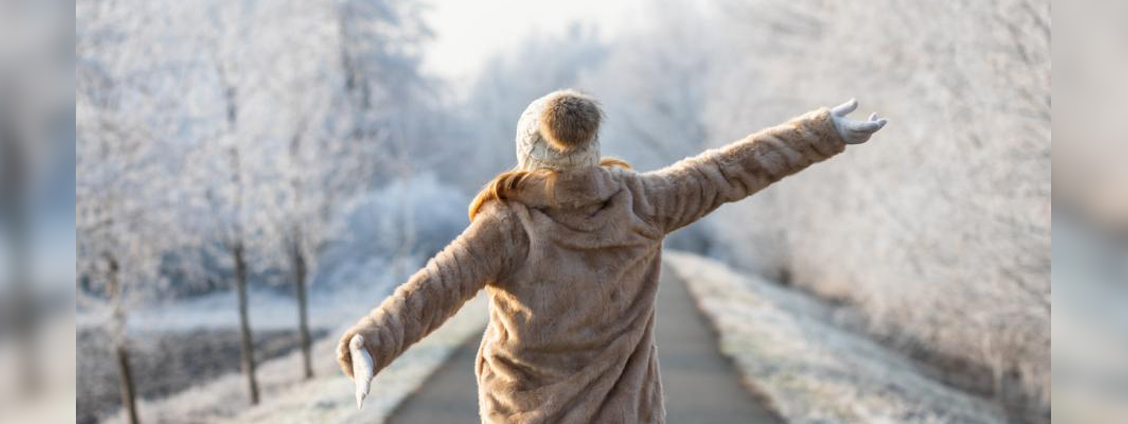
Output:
x=688 y=190
x=478 y=256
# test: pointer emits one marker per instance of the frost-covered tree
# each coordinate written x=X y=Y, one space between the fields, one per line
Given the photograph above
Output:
x=144 y=118
x=940 y=234
x=654 y=84
x=226 y=172
x=541 y=64
x=118 y=258
x=121 y=215
x=220 y=141
x=338 y=97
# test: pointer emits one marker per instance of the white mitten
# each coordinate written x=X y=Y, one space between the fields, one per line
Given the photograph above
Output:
x=853 y=131
x=362 y=368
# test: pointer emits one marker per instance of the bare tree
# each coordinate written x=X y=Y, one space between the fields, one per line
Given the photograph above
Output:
x=118 y=254
x=343 y=128
x=226 y=136
x=227 y=192
x=117 y=177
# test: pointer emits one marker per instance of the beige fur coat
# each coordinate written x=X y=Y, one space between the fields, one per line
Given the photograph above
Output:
x=572 y=279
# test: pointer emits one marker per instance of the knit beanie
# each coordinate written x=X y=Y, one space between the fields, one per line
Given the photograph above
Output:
x=559 y=132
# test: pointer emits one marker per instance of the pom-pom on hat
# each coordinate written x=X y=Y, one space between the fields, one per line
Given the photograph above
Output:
x=559 y=131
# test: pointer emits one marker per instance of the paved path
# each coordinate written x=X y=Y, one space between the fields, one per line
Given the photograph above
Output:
x=700 y=385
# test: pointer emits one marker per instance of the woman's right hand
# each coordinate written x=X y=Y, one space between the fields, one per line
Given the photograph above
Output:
x=356 y=362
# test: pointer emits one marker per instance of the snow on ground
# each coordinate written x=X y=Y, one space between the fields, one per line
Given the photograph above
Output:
x=269 y=310
x=328 y=398
x=210 y=322
x=810 y=370
x=285 y=397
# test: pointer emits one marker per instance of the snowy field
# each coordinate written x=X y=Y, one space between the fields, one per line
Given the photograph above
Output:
x=192 y=345
x=270 y=310
x=328 y=398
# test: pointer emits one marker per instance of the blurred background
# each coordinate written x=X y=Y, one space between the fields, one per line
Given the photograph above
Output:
x=250 y=176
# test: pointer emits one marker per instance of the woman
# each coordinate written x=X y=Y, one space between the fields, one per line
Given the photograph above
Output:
x=568 y=247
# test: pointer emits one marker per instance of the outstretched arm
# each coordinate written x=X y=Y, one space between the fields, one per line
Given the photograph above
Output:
x=688 y=190
x=481 y=254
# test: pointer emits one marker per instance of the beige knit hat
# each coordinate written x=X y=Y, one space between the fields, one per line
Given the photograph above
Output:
x=558 y=132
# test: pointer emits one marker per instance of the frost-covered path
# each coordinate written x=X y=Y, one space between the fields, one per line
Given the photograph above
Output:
x=700 y=385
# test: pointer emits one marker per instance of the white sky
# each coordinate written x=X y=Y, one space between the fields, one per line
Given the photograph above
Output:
x=467 y=33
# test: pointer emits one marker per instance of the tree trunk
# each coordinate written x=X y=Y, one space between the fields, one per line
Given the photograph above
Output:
x=125 y=375
x=128 y=393
x=248 y=354
x=230 y=95
x=303 y=309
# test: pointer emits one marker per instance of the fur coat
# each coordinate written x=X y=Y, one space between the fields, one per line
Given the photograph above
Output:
x=572 y=277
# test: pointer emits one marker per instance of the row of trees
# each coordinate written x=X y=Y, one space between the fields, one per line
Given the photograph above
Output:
x=940 y=230
x=217 y=140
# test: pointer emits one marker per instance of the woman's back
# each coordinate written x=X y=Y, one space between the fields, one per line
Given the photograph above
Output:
x=569 y=249
x=570 y=337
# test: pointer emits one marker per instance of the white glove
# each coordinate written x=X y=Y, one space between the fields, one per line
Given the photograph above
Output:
x=852 y=131
x=362 y=368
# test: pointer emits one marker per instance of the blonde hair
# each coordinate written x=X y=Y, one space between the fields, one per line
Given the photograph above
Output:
x=502 y=185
